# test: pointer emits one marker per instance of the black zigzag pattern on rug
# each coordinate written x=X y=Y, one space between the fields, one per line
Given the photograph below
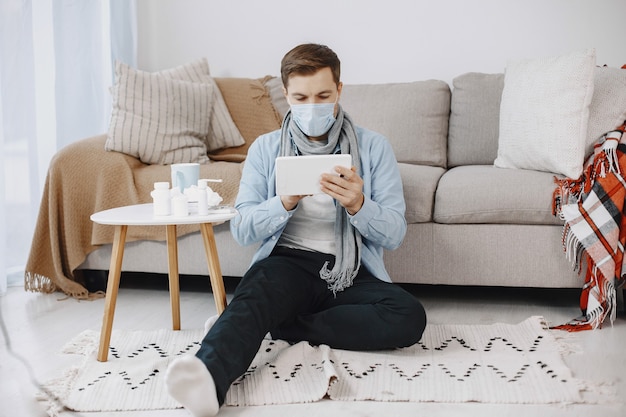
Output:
x=426 y=366
x=497 y=363
x=134 y=383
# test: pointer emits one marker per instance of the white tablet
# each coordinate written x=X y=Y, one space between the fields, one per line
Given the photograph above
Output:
x=300 y=175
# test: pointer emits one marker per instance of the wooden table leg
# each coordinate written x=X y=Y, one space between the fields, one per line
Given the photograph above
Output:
x=113 y=284
x=172 y=265
x=215 y=272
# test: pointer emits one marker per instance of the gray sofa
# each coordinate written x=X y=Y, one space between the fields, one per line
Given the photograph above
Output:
x=469 y=223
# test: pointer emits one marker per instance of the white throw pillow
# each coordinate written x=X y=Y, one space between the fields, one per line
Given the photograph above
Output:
x=157 y=119
x=608 y=106
x=544 y=113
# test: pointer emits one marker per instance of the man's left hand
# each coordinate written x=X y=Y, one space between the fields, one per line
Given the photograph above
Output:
x=346 y=188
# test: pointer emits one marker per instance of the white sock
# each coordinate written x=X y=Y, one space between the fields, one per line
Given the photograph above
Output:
x=190 y=383
x=210 y=322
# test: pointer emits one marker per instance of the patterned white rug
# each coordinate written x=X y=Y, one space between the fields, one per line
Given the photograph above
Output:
x=498 y=363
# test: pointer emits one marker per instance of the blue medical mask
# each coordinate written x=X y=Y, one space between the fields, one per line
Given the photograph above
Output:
x=314 y=119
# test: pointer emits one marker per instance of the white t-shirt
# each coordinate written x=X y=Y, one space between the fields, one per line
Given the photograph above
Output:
x=312 y=226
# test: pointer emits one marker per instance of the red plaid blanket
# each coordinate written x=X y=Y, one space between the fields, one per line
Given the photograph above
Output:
x=593 y=208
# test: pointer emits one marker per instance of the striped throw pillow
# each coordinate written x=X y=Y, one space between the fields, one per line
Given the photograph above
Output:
x=157 y=119
x=223 y=131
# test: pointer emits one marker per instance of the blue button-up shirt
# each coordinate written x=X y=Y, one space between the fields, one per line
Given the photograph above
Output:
x=380 y=221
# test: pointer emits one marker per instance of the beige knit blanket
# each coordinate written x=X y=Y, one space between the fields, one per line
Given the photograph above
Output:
x=83 y=179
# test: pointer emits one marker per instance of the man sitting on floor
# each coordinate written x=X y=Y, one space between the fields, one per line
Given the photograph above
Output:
x=318 y=274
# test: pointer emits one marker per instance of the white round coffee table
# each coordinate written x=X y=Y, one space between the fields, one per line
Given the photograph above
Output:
x=142 y=215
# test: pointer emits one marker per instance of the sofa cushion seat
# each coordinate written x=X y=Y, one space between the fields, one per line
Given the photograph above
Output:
x=486 y=194
x=419 y=183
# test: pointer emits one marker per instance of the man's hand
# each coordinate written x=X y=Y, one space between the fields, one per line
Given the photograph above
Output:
x=290 y=201
x=346 y=188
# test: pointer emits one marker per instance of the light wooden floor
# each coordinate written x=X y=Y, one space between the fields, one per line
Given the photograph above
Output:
x=38 y=325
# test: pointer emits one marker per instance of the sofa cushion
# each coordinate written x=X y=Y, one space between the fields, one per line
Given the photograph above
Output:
x=413 y=116
x=157 y=119
x=487 y=194
x=608 y=105
x=419 y=183
x=251 y=108
x=544 y=113
x=474 y=119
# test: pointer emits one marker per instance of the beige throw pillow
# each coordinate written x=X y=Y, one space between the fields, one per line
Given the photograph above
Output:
x=157 y=119
x=251 y=108
x=544 y=113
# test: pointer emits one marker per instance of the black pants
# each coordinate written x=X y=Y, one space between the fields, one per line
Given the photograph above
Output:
x=284 y=294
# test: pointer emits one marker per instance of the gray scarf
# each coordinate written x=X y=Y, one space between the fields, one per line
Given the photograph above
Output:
x=347 y=238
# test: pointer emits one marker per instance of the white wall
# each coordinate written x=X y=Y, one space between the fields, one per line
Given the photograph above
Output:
x=377 y=40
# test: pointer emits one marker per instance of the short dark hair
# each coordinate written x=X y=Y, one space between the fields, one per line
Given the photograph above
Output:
x=307 y=59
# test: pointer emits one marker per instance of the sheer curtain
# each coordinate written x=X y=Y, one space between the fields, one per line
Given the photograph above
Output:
x=56 y=67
